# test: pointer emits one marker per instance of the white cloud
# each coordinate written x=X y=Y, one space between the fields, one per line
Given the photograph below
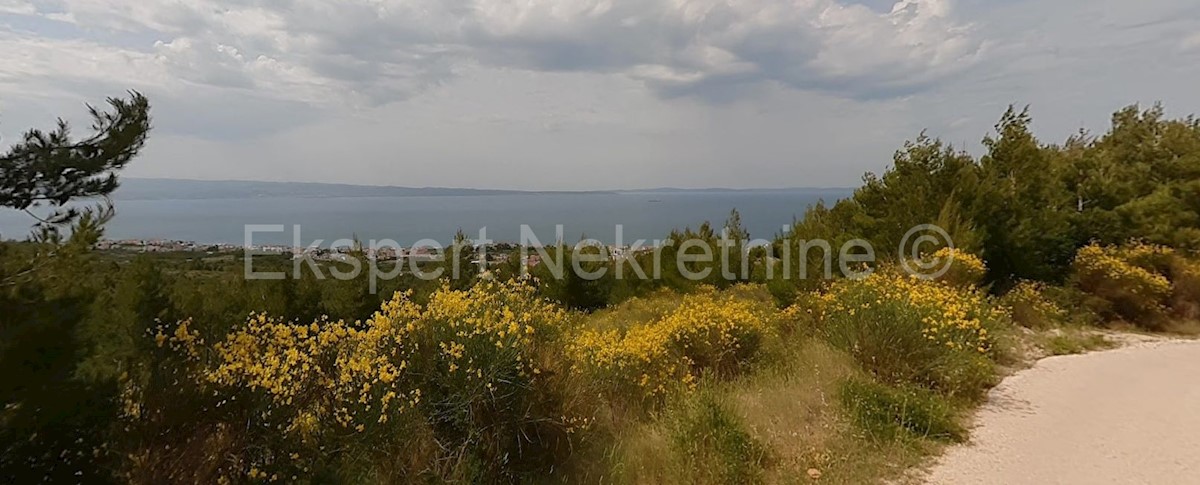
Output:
x=34 y=65
x=1191 y=43
x=377 y=51
x=170 y=17
x=531 y=93
x=17 y=7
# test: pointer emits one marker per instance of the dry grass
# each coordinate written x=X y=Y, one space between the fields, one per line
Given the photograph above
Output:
x=1183 y=328
x=634 y=311
x=796 y=412
x=791 y=409
x=794 y=409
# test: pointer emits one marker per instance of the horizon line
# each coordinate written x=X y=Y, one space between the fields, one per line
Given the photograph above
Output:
x=528 y=191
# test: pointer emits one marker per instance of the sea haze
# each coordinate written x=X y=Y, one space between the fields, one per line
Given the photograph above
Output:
x=218 y=211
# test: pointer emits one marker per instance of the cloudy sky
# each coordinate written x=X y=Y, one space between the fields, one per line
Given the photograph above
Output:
x=584 y=94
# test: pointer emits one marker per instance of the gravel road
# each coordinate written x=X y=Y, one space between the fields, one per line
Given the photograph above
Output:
x=1127 y=416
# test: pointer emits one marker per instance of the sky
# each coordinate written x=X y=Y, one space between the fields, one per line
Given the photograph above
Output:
x=584 y=94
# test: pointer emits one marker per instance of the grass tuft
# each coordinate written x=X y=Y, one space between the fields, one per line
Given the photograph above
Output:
x=708 y=437
x=886 y=413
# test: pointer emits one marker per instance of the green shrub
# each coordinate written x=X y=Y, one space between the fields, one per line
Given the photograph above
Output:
x=887 y=413
x=710 y=441
x=1075 y=342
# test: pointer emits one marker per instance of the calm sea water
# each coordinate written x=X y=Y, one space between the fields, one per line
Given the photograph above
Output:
x=410 y=219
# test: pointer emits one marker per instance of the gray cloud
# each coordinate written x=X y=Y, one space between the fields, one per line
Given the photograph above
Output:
x=376 y=52
x=531 y=94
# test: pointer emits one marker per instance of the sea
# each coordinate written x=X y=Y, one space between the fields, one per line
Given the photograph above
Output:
x=620 y=218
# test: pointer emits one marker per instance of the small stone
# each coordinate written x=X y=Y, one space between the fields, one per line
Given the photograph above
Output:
x=814 y=473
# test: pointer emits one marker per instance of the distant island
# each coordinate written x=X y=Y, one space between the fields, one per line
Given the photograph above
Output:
x=182 y=189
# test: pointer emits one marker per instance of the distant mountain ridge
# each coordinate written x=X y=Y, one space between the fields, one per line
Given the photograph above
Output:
x=183 y=189
x=718 y=190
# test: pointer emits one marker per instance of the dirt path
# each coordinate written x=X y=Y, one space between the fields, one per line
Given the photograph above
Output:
x=1130 y=415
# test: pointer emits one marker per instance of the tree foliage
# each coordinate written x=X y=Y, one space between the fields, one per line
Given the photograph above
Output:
x=53 y=423
x=53 y=168
x=1028 y=206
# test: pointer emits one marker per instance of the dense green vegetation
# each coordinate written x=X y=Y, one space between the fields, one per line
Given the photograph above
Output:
x=161 y=368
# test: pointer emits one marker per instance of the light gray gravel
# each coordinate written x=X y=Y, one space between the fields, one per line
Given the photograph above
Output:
x=1127 y=416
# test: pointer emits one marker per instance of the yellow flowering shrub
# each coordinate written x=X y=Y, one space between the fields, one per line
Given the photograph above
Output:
x=1180 y=269
x=1150 y=257
x=493 y=372
x=965 y=269
x=909 y=330
x=1031 y=309
x=1124 y=279
x=476 y=368
x=1185 y=286
x=318 y=372
x=706 y=331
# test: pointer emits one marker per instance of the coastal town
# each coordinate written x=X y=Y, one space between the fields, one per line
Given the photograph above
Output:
x=427 y=253
x=496 y=252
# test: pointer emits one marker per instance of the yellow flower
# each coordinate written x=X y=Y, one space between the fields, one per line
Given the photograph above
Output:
x=705 y=327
